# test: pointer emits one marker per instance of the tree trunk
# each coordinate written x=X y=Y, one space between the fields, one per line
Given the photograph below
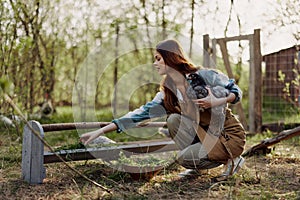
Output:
x=192 y=28
x=116 y=69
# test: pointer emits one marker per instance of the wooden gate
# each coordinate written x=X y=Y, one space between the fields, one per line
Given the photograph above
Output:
x=255 y=78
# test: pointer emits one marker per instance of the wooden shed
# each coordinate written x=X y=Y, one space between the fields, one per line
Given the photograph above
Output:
x=282 y=72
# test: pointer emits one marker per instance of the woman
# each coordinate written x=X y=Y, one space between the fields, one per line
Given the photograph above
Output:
x=190 y=127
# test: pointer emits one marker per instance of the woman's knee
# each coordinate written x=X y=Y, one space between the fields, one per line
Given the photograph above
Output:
x=173 y=123
x=173 y=119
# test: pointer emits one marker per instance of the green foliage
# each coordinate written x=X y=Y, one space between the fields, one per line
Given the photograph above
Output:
x=118 y=176
x=50 y=53
x=77 y=145
x=277 y=109
x=145 y=161
x=10 y=155
x=5 y=86
x=62 y=114
x=62 y=138
x=43 y=53
x=254 y=139
x=296 y=81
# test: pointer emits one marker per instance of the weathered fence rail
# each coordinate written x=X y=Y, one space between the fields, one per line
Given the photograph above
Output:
x=89 y=125
x=34 y=157
x=111 y=152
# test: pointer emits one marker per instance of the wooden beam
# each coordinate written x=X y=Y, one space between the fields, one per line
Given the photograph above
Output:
x=255 y=84
x=234 y=38
x=225 y=56
x=91 y=125
x=264 y=144
x=255 y=78
x=258 y=81
x=206 y=50
x=214 y=53
x=224 y=51
x=112 y=152
x=72 y=126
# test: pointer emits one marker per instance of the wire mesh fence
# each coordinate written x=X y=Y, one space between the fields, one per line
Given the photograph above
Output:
x=281 y=86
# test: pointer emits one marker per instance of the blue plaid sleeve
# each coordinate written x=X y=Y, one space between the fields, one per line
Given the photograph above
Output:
x=150 y=110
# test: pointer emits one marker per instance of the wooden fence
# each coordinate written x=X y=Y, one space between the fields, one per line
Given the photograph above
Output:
x=34 y=157
x=255 y=78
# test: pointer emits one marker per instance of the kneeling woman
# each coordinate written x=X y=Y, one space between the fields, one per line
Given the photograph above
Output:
x=202 y=145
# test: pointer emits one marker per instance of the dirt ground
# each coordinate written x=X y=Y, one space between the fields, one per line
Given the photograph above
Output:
x=272 y=176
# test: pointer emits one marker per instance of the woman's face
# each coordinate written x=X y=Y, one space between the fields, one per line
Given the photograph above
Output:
x=159 y=64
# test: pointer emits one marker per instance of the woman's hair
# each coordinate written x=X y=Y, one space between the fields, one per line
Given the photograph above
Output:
x=174 y=57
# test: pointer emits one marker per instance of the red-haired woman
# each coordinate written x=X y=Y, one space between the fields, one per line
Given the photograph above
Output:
x=191 y=128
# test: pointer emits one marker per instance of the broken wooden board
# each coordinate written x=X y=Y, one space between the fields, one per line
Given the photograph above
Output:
x=262 y=147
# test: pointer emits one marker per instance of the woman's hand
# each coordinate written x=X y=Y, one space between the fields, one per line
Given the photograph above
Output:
x=210 y=101
x=90 y=136
x=86 y=138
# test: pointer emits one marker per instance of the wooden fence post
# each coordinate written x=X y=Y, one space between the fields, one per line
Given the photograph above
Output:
x=255 y=91
x=206 y=56
x=223 y=46
x=33 y=170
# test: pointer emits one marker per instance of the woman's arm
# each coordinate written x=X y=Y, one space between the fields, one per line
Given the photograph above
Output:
x=90 y=136
x=214 y=78
x=212 y=101
x=150 y=110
